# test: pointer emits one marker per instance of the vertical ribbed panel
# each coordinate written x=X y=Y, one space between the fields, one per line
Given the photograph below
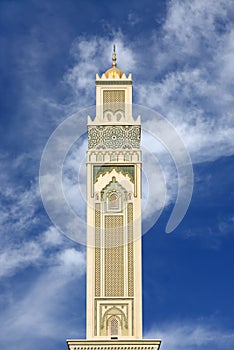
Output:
x=114 y=256
x=130 y=251
x=97 y=251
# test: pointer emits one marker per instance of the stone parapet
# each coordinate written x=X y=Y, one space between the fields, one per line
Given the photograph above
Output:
x=114 y=344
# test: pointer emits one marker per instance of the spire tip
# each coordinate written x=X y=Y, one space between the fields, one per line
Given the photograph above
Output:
x=114 y=64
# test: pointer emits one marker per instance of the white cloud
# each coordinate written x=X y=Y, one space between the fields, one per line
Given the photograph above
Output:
x=20 y=215
x=225 y=59
x=225 y=226
x=18 y=209
x=192 y=29
x=51 y=237
x=38 y=315
x=73 y=260
x=16 y=256
x=12 y=259
x=93 y=55
x=212 y=234
x=193 y=69
x=191 y=336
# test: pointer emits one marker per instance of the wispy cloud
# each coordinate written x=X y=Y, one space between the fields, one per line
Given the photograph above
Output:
x=19 y=200
x=27 y=239
x=193 y=58
x=38 y=313
x=46 y=249
x=92 y=55
x=192 y=335
x=13 y=259
x=212 y=235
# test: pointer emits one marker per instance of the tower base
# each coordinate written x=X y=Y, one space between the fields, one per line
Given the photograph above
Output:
x=114 y=344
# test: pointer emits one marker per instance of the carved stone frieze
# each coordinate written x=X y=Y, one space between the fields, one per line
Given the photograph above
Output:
x=114 y=136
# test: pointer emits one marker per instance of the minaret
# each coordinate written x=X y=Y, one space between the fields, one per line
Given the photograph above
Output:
x=114 y=257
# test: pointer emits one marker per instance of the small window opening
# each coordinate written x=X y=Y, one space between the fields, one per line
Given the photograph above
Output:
x=113 y=202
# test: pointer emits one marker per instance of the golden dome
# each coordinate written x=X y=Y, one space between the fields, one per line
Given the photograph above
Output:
x=113 y=72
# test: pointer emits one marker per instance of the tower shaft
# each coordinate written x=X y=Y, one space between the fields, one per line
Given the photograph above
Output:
x=114 y=213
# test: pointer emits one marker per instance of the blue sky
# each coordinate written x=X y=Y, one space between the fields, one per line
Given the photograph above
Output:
x=181 y=55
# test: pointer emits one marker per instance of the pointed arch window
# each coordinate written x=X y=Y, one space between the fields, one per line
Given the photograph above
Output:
x=114 y=201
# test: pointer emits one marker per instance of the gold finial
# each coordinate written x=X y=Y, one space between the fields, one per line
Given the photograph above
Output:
x=114 y=64
x=113 y=72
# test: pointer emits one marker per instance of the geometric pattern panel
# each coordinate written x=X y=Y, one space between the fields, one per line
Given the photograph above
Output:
x=97 y=250
x=114 y=136
x=114 y=256
x=130 y=251
x=110 y=96
x=113 y=100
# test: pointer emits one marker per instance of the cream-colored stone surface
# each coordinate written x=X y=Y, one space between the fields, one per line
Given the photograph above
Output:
x=123 y=309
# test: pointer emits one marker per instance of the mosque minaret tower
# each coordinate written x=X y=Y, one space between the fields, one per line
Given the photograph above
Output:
x=114 y=254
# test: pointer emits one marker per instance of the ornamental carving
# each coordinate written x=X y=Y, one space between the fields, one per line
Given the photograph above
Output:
x=104 y=169
x=114 y=136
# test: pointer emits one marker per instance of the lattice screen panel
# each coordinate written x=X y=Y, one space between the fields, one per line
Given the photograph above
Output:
x=130 y=251
x=114 y=256
x=97 y=251
x=113 y=100
x=114 y=328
